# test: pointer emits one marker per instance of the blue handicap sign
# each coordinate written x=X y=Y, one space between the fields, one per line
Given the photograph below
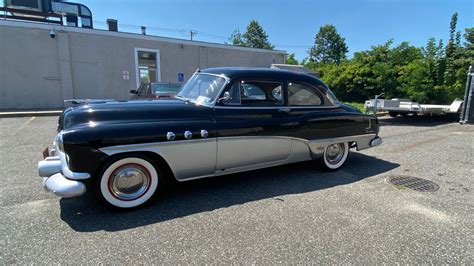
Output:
x=181 y=77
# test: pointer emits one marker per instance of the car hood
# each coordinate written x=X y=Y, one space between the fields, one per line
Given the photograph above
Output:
x=97 y=114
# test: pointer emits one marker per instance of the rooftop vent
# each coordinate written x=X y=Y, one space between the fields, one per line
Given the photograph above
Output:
x=112 y=24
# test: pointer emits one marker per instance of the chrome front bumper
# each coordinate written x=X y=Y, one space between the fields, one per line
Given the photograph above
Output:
x=63 y=187
x=58 y=178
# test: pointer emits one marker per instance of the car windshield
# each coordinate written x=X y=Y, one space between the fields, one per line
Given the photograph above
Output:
x=165 y=88
x=202 y=88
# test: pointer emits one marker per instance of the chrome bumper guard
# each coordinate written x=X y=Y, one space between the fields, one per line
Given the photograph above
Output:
x=376 y=141
x=58 y=178
x=63 y=187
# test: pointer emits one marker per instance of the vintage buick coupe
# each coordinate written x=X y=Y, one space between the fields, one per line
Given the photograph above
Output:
x=224 y=120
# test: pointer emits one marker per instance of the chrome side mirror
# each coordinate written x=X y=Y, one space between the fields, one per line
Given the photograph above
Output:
x=225 y=97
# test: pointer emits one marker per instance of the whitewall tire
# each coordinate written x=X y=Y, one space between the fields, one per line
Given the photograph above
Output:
x=128 y=182
x=335 y=155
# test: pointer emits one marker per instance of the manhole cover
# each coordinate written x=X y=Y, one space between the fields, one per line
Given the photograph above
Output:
x=414 y=183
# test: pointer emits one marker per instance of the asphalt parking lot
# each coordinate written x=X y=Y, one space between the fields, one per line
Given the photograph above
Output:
x=289 y=214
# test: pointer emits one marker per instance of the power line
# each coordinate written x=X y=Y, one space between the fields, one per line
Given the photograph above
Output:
x=192 y=33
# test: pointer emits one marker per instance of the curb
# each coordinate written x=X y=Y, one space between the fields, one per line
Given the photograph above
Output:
x=30 y=113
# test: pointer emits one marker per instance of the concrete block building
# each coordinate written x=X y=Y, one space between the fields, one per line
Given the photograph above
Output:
x=41 y=64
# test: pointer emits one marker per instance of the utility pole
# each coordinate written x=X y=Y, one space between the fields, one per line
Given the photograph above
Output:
x=192 y=33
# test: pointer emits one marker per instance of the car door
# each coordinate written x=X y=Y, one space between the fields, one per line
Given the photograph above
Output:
x=252 y=126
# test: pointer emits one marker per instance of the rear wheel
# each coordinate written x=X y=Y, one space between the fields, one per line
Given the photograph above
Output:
x=129 y=181
x=335 y=155
x=393 y=114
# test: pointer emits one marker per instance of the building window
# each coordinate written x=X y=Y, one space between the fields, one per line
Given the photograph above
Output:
x=147 y=65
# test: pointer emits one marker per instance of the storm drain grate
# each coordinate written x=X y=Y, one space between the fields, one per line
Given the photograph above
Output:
x=413 y=183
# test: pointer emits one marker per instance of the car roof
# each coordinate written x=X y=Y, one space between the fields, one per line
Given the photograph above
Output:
x=264 y=73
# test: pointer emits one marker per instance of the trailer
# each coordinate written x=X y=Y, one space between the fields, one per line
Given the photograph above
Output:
x=405 y=107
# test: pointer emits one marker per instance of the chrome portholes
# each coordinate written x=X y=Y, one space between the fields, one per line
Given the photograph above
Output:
x=334 y=153
x=170 y=136
x=204 y=134
x=129 y=182
x=188 y=135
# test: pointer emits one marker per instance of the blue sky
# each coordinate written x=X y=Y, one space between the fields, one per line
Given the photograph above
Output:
x=291 y=25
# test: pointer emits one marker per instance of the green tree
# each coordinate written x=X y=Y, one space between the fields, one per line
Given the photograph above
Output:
x=449 y=75
x=329 y=46
x=469 y=36
x=291 y=60
x=469 y=45
x=431 y=74
x=256 y=37
x=440 y=63
x=236 y=38
x=430 y=54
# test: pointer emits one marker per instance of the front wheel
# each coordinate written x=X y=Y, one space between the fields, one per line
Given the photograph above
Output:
x=335 y=155
x=128 y=182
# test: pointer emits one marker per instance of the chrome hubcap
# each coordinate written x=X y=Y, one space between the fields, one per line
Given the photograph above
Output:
x=129 y=182
x=334 y=153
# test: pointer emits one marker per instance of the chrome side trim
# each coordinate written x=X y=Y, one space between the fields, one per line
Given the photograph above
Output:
x=277 y=107
x=63 y=187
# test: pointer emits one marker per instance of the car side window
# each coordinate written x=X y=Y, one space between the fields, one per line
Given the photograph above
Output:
x=234 y=93
x=255 y=93
x=300 y=94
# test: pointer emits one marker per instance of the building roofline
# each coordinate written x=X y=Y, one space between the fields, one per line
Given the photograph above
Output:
x=34 y=25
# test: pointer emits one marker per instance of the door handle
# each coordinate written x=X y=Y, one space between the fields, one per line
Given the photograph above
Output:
x=284 y=110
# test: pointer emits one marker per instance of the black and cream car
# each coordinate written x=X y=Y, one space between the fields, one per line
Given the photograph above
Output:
x=224 y=120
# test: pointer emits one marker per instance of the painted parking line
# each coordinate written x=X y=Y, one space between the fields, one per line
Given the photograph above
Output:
x=27 y=122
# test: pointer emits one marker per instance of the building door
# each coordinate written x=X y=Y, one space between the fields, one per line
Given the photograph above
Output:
x=147 y=64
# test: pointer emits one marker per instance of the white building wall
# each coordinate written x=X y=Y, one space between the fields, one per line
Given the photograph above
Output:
x=39 y=72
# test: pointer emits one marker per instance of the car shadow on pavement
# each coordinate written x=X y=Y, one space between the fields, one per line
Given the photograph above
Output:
x=86 y=214
x=419 y=121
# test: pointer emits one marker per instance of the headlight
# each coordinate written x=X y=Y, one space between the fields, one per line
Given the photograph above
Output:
x=59 y=141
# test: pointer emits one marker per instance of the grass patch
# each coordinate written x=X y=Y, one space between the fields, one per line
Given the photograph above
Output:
x=359 y=106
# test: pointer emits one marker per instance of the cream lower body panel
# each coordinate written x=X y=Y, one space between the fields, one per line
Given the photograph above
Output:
x=194 y=159
x=188 y=159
